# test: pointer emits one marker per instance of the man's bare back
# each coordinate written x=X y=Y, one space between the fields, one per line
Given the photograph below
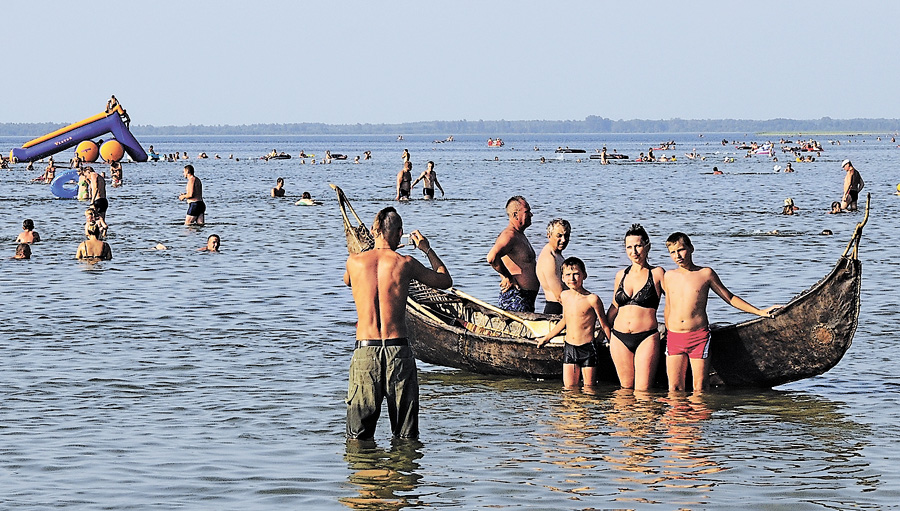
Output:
x=380 y=282
x=98 y=186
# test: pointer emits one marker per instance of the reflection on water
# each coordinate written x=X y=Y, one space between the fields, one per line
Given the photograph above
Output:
x=197 y=379
x=385 y=478
x=679 y=449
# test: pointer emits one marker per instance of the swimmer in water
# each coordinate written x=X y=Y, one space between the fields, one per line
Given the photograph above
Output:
x=307 y=200
x=93 y=248
x=23 y=251
x=212 y=244
x=789 y=207
x=278 y=191
x=28 y=234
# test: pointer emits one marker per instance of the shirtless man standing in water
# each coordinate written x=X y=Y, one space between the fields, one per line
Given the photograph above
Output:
x=196 y=213
x=853 y=183
x=383 y=365
x=429 y=181
x=549 y=264
x=98 y=192
x=512 y=256
x=404 y=181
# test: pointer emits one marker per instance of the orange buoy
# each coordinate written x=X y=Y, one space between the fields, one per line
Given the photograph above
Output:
x=112 y=150
x=87 y=150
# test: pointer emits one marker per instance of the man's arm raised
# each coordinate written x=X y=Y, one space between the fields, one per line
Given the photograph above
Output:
x=439 y=277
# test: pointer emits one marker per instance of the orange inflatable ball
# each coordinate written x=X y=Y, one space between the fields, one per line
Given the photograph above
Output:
x=88 y=151
x=112 y=150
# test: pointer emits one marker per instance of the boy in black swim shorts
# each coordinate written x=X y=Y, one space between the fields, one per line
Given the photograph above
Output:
x=581 y=311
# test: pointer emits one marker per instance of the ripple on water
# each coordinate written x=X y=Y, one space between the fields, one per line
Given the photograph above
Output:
x=217 y=380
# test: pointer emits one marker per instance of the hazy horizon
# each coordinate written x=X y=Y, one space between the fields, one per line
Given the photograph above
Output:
x=233 y=63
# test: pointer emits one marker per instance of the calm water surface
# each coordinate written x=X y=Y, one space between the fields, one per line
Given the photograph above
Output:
x=179 y=379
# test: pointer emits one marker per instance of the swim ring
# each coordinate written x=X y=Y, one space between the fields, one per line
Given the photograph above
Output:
x=58 y=188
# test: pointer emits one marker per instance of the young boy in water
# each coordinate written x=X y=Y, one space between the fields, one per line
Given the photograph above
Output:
x=687 y=326
x=581 y=310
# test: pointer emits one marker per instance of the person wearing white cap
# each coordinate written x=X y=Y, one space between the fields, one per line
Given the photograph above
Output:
x=853 y=183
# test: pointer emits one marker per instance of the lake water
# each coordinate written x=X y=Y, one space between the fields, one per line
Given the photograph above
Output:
x=179 y=379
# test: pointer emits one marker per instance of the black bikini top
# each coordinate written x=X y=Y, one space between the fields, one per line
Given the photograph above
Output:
x=646 y=297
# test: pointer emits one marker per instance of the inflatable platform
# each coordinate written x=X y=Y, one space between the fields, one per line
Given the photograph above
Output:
x=73 y=134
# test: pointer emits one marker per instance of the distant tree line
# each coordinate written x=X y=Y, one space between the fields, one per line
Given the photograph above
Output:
x=591 y=124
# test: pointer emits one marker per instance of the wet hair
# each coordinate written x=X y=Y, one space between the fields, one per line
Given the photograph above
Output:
x=279 y=180
x=387 y=220
x=306 y=195
x=189 y=168
x=23 y=249
x=92 y=229
x=576 y=263
x=517 y=199
x=835 y=206
x=675 y=237
x=211 y=236
x=28 y=224
x=638 y=230
x=558 y=221
x=431 y=163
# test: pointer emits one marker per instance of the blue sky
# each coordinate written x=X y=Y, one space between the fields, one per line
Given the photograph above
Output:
x=343 y=62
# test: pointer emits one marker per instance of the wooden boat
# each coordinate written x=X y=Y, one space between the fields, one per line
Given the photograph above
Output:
x=805 y=338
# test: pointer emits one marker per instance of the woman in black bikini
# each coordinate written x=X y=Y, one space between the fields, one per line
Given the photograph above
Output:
x=635 y=346
x=93 y=249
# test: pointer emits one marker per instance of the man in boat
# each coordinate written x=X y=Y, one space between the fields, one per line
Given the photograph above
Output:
x=383 y=365
x=688 y=336
x=853 y=183
x=549 y=264
x=196 y=213
x=512 y=256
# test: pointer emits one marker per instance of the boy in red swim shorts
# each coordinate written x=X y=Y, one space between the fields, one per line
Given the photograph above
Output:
x=687 y=291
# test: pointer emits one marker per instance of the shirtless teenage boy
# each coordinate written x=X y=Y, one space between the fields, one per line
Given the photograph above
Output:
x=429 y=181
x=196 y=213
x=581 y=310
x=549 y=264
x=687 y=291
x=512 y=256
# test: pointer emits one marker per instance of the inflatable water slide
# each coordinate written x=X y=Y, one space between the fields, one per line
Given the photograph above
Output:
x=73 y=134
